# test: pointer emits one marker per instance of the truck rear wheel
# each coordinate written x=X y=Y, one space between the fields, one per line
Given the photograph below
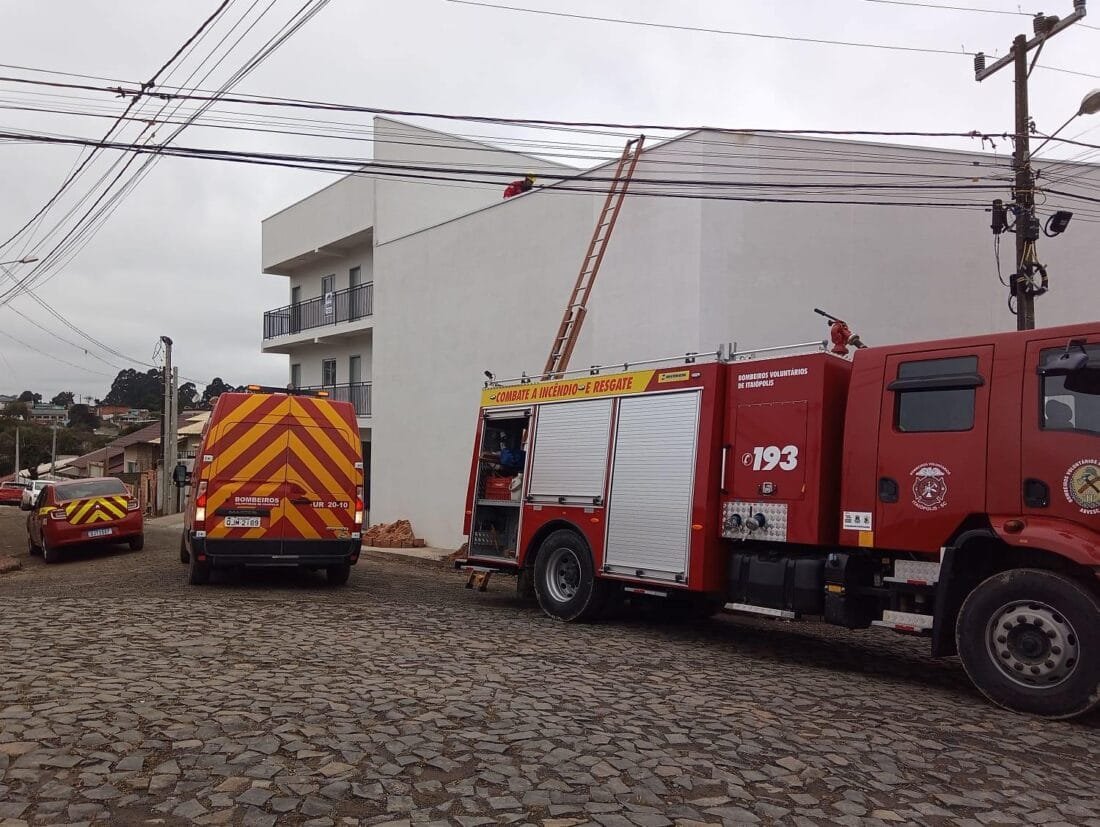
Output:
x=184 y=556
x=1029 y=640
x=198 y=574
x=565 y=578
x=337 y=575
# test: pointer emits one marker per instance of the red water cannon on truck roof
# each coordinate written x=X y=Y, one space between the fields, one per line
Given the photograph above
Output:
x=947 y=488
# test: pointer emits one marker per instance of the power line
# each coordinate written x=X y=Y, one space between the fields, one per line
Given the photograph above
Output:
x=941 y=7
x=88 y=223
x=729 y=32
x=706 y=30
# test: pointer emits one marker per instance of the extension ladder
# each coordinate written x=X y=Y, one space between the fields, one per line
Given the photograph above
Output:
x=570 y=328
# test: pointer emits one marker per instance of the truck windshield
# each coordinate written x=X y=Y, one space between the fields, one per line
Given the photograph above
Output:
x=1077 y=407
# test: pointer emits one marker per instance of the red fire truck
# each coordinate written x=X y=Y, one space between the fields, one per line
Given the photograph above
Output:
x=947 y=488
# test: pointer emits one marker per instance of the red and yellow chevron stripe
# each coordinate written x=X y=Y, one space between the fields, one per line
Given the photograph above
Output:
x=95 y=510
x=292 y=456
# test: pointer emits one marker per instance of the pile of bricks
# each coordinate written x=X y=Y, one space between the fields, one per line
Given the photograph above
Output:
x=392 y=535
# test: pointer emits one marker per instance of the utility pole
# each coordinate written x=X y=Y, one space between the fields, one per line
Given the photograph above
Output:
x=17 y=453
x=53 y=452
x=167 y=459
x=1022 y=285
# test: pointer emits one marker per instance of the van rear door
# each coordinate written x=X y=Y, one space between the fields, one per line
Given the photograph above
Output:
x=246 y=485
x=323 y=476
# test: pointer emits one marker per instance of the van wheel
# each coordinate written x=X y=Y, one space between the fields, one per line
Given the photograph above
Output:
x=184 y=556
x=32 y=549
x=198 y=574
x=565 y=579
x=1029 y=640
x=337 y=575
x=137 y=543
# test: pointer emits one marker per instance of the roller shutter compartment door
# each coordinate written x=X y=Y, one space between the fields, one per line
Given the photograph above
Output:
x=570 y=456
x=652 y=485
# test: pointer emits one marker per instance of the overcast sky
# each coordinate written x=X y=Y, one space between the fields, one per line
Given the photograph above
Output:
x=180 y=256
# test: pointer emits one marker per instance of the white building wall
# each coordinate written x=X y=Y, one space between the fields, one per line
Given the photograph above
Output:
x=486 y=291
x=341 y=209
x=411 y=204
x=309 y=277
x=310 y=357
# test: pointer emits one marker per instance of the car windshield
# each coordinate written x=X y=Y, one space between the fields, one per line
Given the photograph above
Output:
x=90 y=488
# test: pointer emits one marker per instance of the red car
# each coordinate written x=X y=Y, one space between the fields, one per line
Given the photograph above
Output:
x=11 y=493
x=99 y=510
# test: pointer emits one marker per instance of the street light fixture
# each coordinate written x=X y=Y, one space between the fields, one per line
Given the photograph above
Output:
x=1090 y=105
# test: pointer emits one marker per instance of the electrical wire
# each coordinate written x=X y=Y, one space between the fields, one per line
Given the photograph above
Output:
x=84 y=230
x=937 y=6
x=761 y=35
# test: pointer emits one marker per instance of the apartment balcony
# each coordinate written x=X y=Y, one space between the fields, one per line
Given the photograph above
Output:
x=342 y=313
x=358 y=393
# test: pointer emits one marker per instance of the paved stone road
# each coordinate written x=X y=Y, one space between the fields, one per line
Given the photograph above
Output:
x=128 y=697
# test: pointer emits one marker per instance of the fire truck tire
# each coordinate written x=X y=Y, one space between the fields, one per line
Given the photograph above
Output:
x=1028 y=639
x=137 y=543
x=565 y=578
x=198 y=574
x=337 y=575
x=184 y=556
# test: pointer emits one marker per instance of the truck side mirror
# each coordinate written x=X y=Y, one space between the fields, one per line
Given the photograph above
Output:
x=1068 y=361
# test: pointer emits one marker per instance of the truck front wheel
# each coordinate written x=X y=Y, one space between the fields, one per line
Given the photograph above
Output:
x=1030 y=641
x=565 y=578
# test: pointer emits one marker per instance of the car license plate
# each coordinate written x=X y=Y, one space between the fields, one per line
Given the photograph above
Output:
x=99 y=532
x=242 y=522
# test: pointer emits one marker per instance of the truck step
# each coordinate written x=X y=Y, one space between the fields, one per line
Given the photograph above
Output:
x=910 y=622
x=760 y=610
x=915 y=572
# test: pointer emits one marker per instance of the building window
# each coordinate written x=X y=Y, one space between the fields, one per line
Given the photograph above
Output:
x=295 y=376
x=328 y=372
x=355 y=370
x=355 y=276
x=936 y=394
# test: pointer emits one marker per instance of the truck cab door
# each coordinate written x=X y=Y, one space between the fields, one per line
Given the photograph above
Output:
x=1060 y=438
x=933 y=433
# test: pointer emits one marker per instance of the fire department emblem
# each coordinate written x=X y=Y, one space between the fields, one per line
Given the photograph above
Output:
x=930 y=486
x=1081 y=485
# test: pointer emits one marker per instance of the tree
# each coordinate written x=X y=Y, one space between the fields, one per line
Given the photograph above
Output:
x=17 y=410
x=64 y=398
x=81 y=416
x=188 y=395
x=137 y=390
x=30 y=396
x=216 y=388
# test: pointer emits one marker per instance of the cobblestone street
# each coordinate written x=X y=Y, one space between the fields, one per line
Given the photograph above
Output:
x=128 y=697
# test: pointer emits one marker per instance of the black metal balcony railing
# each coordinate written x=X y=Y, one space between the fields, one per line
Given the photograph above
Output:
x=358 y=393
x=344 y=306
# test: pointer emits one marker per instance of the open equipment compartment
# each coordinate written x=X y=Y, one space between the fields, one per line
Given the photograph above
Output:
x=502 y=459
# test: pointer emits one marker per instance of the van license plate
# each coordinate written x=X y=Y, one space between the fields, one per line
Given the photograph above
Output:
x=242 y=522
x=99 y=532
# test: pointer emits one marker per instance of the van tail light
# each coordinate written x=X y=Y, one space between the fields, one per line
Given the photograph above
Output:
x=132 y=504
x=59 y=514
x=200 y=507
x=359 y=509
